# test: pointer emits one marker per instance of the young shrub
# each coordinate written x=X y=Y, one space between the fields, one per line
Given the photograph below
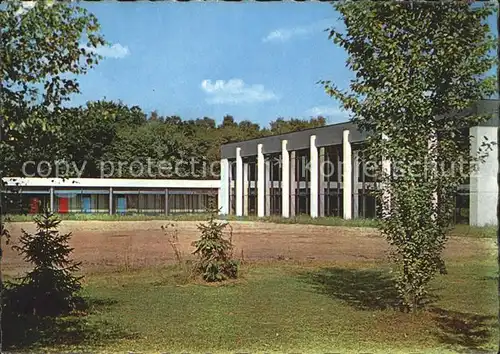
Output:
x=50 y=289
x=214 y=251
x=172 y=233
x=185 y=273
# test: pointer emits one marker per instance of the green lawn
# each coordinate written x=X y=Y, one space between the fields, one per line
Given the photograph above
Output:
x=114 y=217
x=279 y=307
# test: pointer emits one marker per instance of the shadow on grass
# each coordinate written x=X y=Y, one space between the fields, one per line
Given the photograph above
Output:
x=470 y=331
x=23 y=332
x=372 y=289
x=359 y=288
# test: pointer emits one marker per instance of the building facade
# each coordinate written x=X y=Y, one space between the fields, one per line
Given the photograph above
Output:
x=319 y=172
x=110 y=196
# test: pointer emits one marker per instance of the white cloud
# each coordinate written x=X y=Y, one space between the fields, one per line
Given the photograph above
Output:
x=115 y=51
x=25 y=7
x=285 y=34
x=28 y=5
x=235 y=91
x=327 y=111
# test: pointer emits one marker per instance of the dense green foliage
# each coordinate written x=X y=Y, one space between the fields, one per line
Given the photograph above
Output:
x=411 y=73
x=101 y=135
x=43 y=49
x=215 y=261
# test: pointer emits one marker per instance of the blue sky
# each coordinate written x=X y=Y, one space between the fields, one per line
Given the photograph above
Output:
x=256 y=61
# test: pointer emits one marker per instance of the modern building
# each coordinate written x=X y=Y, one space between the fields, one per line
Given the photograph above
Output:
x=317 y=172
x=111 y=196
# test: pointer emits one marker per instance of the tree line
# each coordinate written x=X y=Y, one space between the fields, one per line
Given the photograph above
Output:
x=101 y=134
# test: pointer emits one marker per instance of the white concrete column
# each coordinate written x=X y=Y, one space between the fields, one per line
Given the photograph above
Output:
x=347 y=175
x=52 y=200
x=386 y=172
x=355 y=178
x=432 y=146
x=322 y=184
x=267 y=191
x=245 y=189
x=483 y=182
x=166 y=207
x=239 y=183
x=261 y=186
x=313 y=165
x=232 y=188
x=285 y=178
x=224 y=188
x=110 y=200
x=293 y=184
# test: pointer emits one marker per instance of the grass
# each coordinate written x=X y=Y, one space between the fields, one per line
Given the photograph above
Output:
x=475 y=231
x=307 y=220
x=458 y=230
x=280 y=307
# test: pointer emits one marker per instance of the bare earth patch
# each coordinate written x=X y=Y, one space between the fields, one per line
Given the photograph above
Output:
x=109 y=244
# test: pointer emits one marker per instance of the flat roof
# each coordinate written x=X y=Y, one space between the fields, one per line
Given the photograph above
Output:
x=299 y=140
x=332 y=134
x=111 y=182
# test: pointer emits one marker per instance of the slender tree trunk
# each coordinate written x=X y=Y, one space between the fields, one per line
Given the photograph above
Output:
x=498 y=158
x=1 y=247
x=2 y=226
x=1 y=239
x=2 y=234
x=1 y=260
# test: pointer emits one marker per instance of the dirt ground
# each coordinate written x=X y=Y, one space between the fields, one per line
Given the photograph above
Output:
x=101 y=245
